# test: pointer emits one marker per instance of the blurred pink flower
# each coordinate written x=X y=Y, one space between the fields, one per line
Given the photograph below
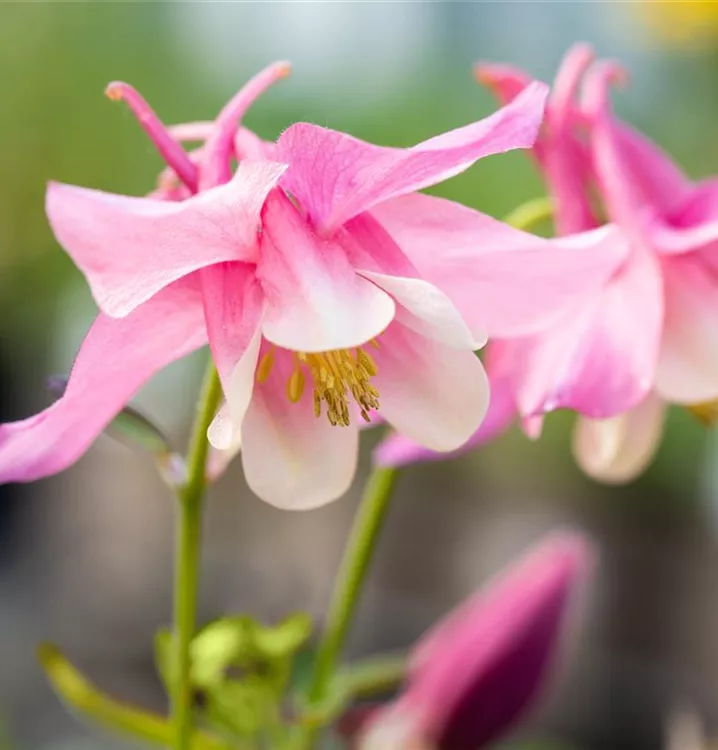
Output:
x=475 y=673
x=649 y=333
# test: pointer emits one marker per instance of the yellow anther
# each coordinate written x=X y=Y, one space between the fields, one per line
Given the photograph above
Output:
x=295 y=386
x=339 y=376
x=706 y=412
x=367 y=362
x=265 y=366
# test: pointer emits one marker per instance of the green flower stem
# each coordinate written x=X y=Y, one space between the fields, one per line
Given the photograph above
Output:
x=122 y=718
x=189 y=530
x=373 y=676
x=352 y=573
x=530 y=213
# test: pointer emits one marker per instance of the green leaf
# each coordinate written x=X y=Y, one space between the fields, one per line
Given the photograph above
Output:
x=118 y=717
x=236 y=642
x=220 y=645
x=284 y=639
x=239 y=707
x=165 y=658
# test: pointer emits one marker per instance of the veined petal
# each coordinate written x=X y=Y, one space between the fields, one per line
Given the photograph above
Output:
x=315 y=300
x=397 y=450
x=618 y=449
x=428 y=311
x=601 y=359
x=434 y=395
x=504 y=281
x=233 y=306
x=130 y=248
x=688 y=363
x=335 y=176
x=293 y=459
x=115 y=359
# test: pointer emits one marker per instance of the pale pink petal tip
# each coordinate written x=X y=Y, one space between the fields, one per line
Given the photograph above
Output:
x=169 y=149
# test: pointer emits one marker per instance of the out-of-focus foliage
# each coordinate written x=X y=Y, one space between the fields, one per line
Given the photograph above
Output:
x=683 y=23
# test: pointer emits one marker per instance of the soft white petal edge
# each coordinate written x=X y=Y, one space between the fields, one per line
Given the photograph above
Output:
x=618 y=449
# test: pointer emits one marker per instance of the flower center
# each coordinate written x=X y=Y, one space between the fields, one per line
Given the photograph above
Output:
x=339 y=376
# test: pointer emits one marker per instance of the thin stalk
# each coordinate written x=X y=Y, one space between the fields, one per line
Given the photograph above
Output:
x=352 y=574
x=187 y=556
x=528 y=214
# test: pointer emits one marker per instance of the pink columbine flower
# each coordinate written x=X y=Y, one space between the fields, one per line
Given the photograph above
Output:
x=476 y=672
x=317 y=313
x=648 y=335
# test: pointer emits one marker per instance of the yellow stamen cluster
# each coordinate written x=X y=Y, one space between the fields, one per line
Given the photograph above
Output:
x=338 y=376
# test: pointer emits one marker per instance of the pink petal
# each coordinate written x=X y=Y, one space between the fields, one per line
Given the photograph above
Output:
x=566 y=160
x=335 y=176
x=397 y=450
x=601 y=359
x=573 y=66
x=563 y=158
x=293 y=459
x=660 y=180
x=636 y=178
x=433 y=395
x=191 y=131
x=233 y=305
x=164 y=142
x=428 y=311
x=506 y=82
x=316 y=301
x=616 y=450
x=130 y=248
x=216 y=157
x=115 y=359
x=370 y=247
x=247 y=145
x=501 y=280
x=692 y=226
x=688 y=364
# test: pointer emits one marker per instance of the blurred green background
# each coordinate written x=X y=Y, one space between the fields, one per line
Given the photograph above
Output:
x=85 y=556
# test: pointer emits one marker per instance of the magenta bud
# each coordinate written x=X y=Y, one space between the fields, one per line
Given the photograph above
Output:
x=473 y=674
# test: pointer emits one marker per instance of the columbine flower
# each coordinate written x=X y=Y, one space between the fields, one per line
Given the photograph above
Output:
x=648 y=334
x=476 y=672
x=305 y=270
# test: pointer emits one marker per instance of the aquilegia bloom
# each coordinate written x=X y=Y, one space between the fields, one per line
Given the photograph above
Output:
x=648 y=334
x=314 y=302
x=472 y=675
